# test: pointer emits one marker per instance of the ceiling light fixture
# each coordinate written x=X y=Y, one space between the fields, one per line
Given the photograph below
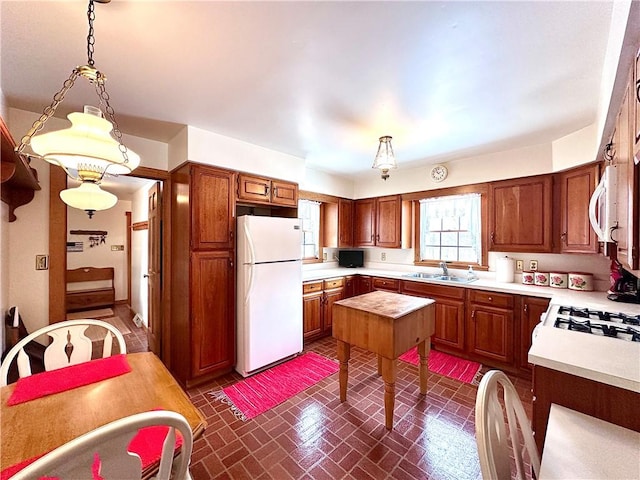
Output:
x=385 y=159
x=87 y=150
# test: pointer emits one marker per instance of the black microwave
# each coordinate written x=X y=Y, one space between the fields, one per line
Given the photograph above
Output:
x=351 y=258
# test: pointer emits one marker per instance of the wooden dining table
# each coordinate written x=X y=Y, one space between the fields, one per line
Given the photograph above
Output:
x=38 y=426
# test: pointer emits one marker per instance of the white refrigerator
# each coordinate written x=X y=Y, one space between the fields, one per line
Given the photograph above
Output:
x=269 y=306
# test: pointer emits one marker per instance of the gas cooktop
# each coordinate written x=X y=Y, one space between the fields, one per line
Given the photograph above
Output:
x=597 y=322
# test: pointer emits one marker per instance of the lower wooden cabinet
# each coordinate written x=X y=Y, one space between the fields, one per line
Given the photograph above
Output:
x=386 y=284
x=350 y=285
x=318 y=298
x=530 y=311
x=364 y=285
x=450 y=307
x=490 y=327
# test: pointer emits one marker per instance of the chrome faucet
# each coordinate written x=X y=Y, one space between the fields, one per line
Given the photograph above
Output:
x=445 y=269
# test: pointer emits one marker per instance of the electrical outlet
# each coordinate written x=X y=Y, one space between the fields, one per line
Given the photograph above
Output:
x=533 y=265
x=519 y=265
x=324 y=257
x=383 y=256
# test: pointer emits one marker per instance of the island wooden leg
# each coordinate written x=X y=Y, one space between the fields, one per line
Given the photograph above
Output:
x=344 y=353
x=379 y=365
x=423 y=351
x=389 y=371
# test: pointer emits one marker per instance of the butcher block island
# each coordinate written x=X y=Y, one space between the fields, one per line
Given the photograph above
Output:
x=387 y=324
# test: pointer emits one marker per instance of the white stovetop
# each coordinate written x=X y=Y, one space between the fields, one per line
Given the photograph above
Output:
x=607 y=360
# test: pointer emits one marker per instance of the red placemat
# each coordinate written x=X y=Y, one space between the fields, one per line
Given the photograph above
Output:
x=67 y=378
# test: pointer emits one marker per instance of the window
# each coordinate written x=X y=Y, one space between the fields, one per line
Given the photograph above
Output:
x=309 y=212
x=451 y=229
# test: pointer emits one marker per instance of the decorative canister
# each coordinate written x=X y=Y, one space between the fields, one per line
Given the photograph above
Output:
x=558 y=280
x=580 y=281
x=527 y=278
x=541 y=279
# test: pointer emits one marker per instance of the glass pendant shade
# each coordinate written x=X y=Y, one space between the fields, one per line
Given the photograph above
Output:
x=385 y=159
x=86 y=147
x=88 y=196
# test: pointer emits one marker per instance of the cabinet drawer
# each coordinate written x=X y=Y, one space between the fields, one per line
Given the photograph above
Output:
x=333 y=283
x=494 y=299
x=424 y=289
x=311 y=287
x=386 y=284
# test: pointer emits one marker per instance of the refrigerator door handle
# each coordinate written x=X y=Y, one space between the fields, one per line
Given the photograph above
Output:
x=252 y=252
x=247 y=294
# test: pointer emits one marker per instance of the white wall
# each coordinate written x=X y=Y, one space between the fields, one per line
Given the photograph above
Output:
x=213 y=149
x=576 y=149
x=522 y=162
x=322 y=182
x=114 y=222
x=139 y=255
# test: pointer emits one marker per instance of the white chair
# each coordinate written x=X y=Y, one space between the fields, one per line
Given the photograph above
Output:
x=491 y=434
x=75 y=460
x=70 y=346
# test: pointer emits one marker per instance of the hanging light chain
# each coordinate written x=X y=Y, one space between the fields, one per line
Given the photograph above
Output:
x=91 y=40
x=106 y=107
x=48 y=111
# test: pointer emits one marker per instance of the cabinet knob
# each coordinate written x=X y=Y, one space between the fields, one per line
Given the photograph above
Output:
x=275 y=191
x=493 y=237
x=526 y=307
x=473 y=315
x=563 y=237
x=490 y=298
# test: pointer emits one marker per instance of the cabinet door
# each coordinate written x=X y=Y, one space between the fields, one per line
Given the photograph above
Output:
x=576 y=188
x=389 y=221
x=213 y=224
x=312 y=314
x=626 y=235
x=490 y=333
x=636 y=103
x=365 y=222
x=330 y=297
x=449 y=323
x=386 y=284
x=345 y=223
x=365 y=285
x=350 y=286
x=212 y=311
x=520 y=215
x=532 y=309
x=255 y=189
x=284 y=193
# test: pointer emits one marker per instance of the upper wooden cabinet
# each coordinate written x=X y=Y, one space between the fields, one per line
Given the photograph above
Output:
x=267 y=191
x=626 y=235
x=345 y=223
x=213 y=208
x=379 y=222
x=636 y=103
x=520 y=215
x=576 y=187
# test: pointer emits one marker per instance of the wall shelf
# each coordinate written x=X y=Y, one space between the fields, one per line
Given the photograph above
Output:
x=19 y=181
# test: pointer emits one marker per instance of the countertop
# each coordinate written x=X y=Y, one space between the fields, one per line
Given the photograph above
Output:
x=608 y=360
x=581 y=446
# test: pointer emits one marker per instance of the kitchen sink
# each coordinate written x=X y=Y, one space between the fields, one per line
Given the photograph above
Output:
x=440 y=277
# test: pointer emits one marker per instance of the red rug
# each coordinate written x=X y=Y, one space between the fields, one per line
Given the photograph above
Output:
x=447 y=365
x=257 y=394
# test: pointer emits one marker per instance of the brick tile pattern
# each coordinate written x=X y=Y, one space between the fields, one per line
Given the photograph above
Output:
x=314 y=436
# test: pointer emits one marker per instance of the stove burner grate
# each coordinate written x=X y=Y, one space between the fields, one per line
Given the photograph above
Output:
x=607 y=330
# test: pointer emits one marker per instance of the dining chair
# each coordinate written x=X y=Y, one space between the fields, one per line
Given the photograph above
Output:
x=106 y=451
x=491 y=433
x=69 y=346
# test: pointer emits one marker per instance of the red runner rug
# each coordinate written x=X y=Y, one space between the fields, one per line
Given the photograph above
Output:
x=447 y=365
x=257 y=394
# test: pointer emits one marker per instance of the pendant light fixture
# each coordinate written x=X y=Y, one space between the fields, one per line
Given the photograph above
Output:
x=87 y=150
x=385 y=159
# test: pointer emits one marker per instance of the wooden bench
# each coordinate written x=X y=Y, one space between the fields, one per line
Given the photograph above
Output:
x=84 y=299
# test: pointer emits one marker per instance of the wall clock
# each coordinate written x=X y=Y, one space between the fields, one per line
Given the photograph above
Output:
x=439 y=173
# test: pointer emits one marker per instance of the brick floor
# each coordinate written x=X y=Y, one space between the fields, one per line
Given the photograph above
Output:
x=314 y=436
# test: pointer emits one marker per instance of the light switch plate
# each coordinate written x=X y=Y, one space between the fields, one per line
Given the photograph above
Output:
x=42 y=262
x=519 y=265
x=117 y=248
x=383 y=256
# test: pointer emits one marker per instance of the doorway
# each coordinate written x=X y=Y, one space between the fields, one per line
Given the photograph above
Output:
x=58 y=252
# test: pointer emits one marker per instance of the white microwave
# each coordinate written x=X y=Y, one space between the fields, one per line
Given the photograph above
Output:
x=602 y=206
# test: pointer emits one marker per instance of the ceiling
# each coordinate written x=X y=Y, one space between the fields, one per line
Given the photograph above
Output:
x=323 y=80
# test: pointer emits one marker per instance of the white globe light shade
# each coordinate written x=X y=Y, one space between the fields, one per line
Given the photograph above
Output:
x=87 y=142
x=88 y=196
